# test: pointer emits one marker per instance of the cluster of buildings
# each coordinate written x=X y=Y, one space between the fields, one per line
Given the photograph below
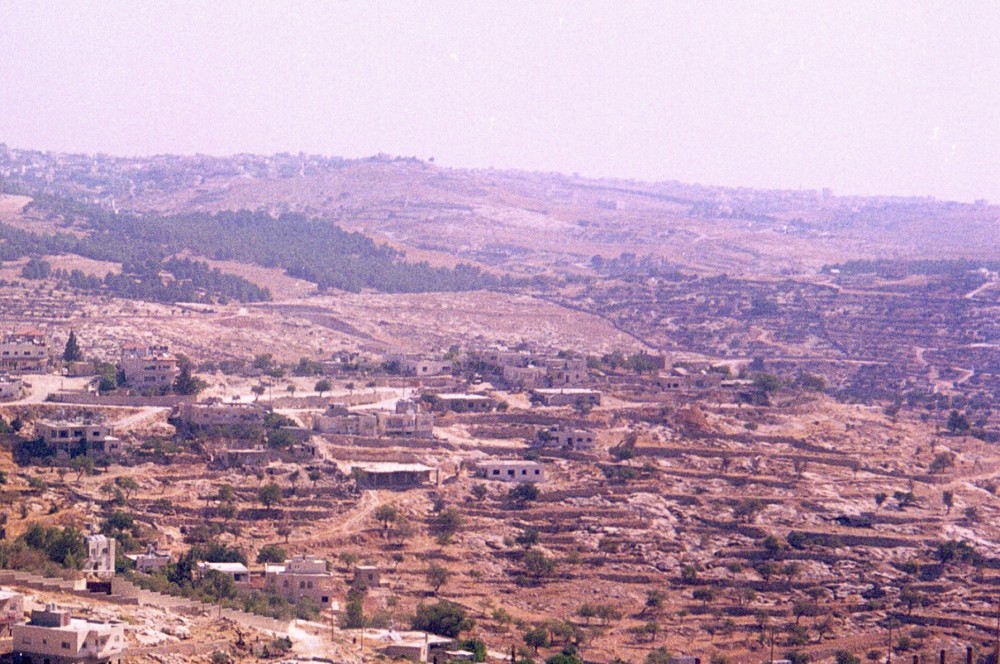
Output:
x=406 y=420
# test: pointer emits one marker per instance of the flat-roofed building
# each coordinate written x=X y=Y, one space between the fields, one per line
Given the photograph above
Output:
x=54 y=636
x=10 y=388
x=71 y=438
x=567 y=396
x=405 y=423
x=511 y=470
x=25 y=350
x=388 y=475
x=149 y=367
x=100 y=555
x=150 y=561
x=337 y=420
x=221 y=415
x=464 y=403
x=11 y=611
x=302 y=576
x=238 y=572
x=566 y=438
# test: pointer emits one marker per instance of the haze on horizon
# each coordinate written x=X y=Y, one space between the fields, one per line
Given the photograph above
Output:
x=863 y=97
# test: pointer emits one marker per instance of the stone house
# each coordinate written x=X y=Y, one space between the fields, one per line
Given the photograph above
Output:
x=301 y=576
x=511 y=470
x=53 y=636
x=149 y=367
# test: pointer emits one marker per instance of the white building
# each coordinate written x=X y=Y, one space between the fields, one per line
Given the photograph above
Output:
x=25 y=350
x=511 y=470
x=237 y=571
x=10 y=388
x=54 y=636
x=100 y=555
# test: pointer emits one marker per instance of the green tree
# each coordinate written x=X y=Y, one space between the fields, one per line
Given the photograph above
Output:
x=270 y=495
x=387 y=514
x=322 y=385
x=537 y=637
x=127 y=485
x=186 y=383
x=437 y=576
x=271 y=553
x=442 y=618
x=957 y=422
x=72 y=352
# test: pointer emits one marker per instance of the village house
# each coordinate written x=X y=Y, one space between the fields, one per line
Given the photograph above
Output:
x=566 y=371
x=568 y=396
x=367 y=576
x=511 y=470
x=238 y=572
x=389 y=475
x=416 y=365
x=464 y=403
x=10 y=388
x=407 y=420
x=416 y=646
x=149 y=367
x=302 y=576
x=150 y=561
x=25 y=350
x=11 y=611
x=566 y=438
x=527 y=377
x=338 y=420
x=53 y=636
x=71 y=438
x=100 y=556
x=680 y=380
x=221 y=415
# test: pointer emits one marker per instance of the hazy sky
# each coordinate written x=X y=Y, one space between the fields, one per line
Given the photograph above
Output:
x=867 y=97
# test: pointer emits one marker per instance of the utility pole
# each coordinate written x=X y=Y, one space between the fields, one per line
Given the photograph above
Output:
x=996 y=651
x=888 y=659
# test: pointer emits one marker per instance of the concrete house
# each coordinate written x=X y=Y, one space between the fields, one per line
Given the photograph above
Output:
x=415 y=365
x=54 y=636
x=566 y=438
x=68 y=438
x=238 y=572
x=10 y=388
x=11 y=611
x=680 y=380
x=390 y=475
x=338 y=420
x=368 y=576
x=566 y=371
x=100 y=556
x=464 y=403
x=26 y=350
x=569 y=396
x=222 y=415
x=511 y=470
x=407 y=420
x=149 y=367
x=302 y=576
x=150 y=561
